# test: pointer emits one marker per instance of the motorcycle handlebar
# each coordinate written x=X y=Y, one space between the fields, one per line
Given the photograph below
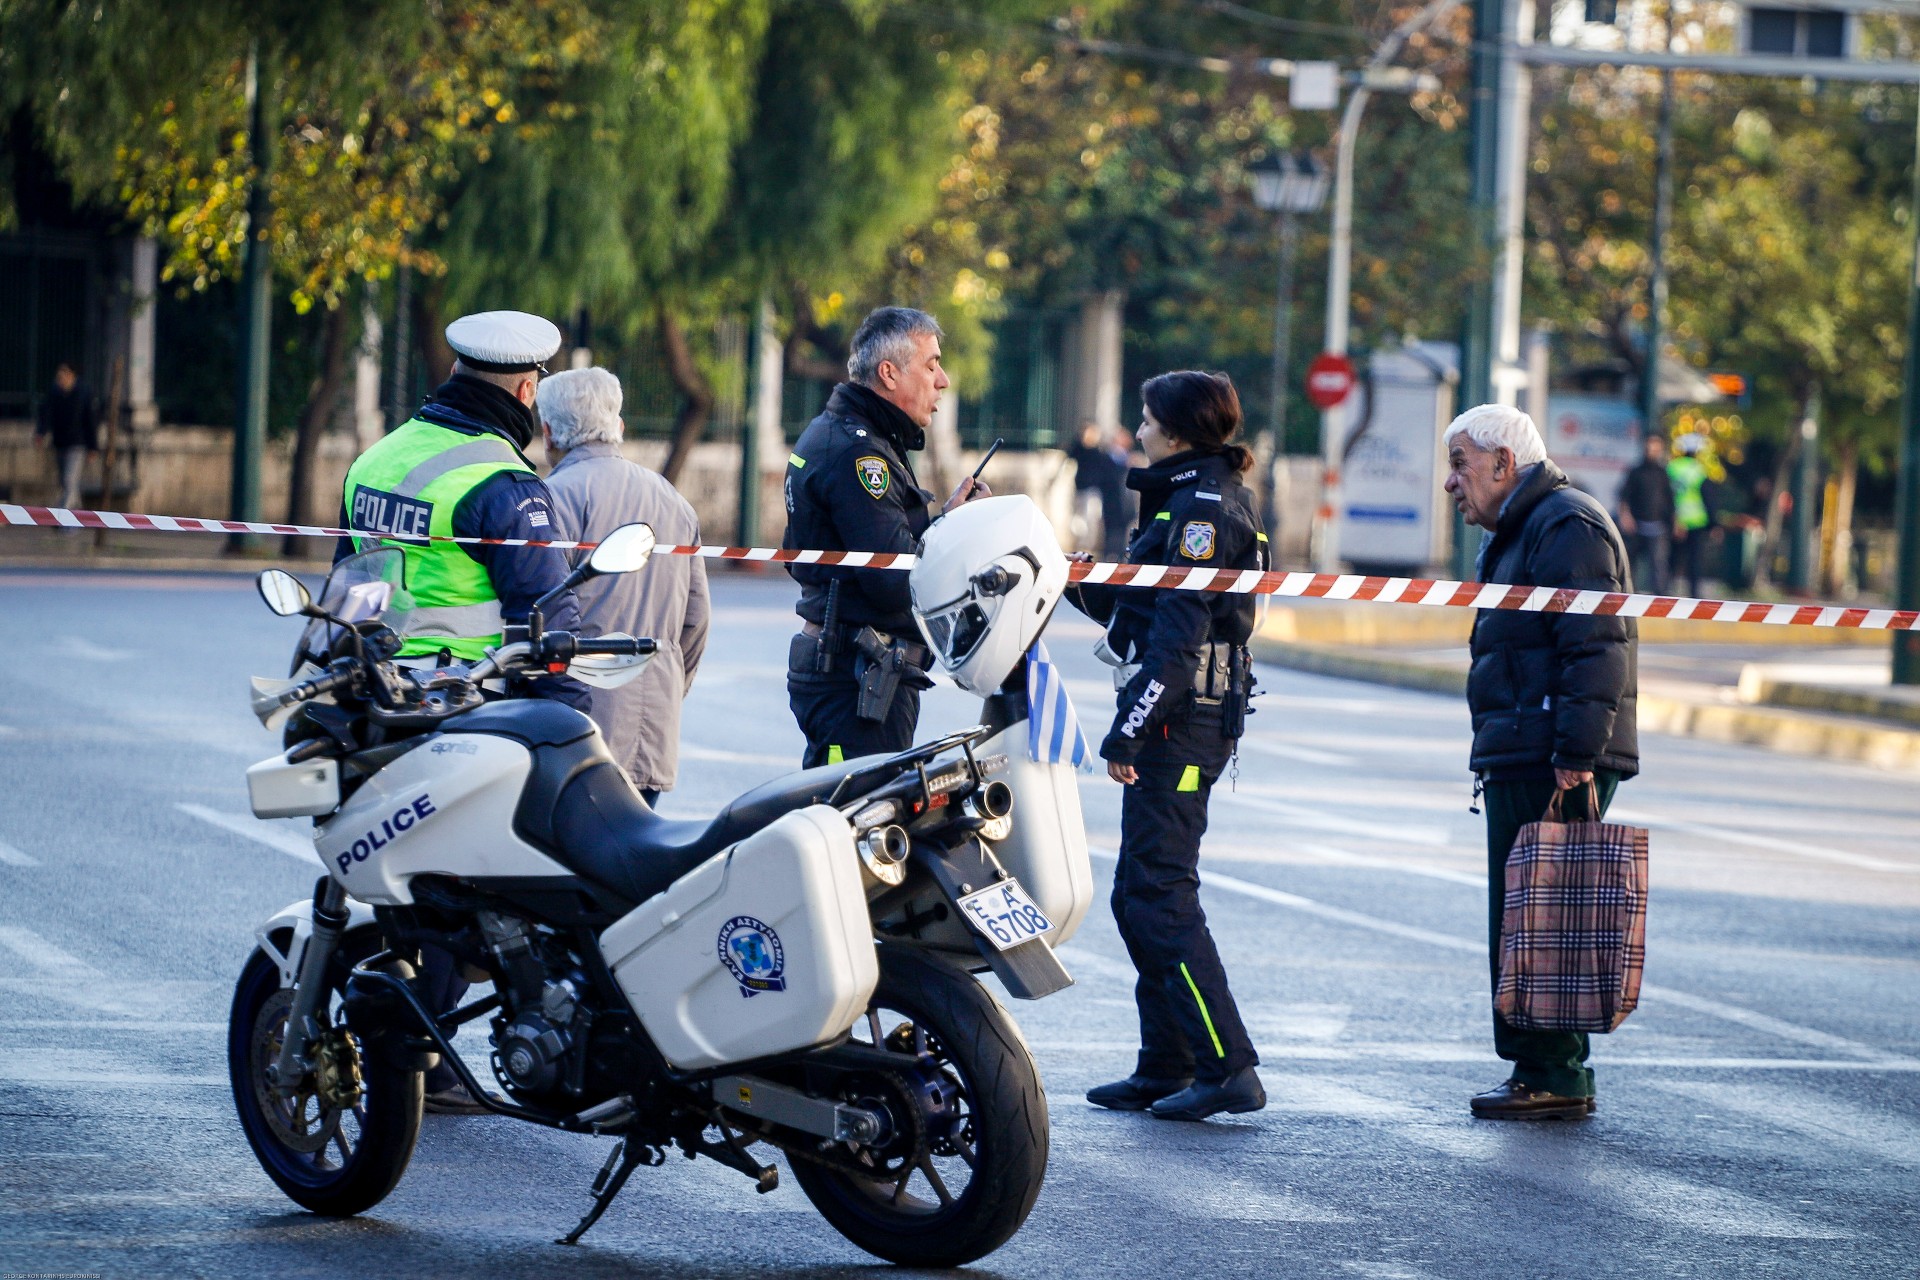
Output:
x=316 y=687
x=626 y=647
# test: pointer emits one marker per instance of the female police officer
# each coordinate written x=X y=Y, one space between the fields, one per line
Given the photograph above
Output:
x=1184 y=678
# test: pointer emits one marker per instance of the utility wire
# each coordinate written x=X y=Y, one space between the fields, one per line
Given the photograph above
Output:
x=1227 y=9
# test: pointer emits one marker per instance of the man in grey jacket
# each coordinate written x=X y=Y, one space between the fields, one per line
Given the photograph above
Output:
x=595 y=491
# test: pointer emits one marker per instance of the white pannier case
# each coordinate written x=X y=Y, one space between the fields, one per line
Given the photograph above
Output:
x=763 y=949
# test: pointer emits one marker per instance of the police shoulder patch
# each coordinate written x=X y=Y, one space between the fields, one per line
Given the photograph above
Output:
x=1196 y=540
x=874 y=475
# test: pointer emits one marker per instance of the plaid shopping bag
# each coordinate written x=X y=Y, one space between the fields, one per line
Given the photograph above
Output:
x=1573 y=935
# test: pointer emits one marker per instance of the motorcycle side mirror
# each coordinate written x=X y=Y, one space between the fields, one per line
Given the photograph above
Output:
x=623 y=550
x=285 y=594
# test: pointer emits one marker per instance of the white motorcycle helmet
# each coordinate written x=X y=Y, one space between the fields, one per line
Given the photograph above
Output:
x=988 y=577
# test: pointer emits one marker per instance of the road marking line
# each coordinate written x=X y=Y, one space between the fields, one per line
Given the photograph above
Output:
x=46 y=957
x=1388 y=864
x=1440 y=1053
x=1433 y=837
x=1699 y=1004
x=721 y=756
x=108 y=1024
x=256 y=829
x=1757 y=841
x=15 y=858
x=1306 y=755
x=81 y=647
x=1882 y=1136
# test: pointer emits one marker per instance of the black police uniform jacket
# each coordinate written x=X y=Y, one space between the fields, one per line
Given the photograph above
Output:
x=850 y=487
x=1194 y=513
x=1553 y=689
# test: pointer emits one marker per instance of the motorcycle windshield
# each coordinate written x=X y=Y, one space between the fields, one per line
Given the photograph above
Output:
x=366 y=587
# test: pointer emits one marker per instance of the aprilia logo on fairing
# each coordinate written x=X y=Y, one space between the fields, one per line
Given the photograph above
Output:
x=403 y=819
x=1143 y=708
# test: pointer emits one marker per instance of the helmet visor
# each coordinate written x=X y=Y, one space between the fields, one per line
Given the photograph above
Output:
x=957 y=632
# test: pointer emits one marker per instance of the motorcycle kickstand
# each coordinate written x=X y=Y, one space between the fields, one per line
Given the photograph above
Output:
x=628 y=1156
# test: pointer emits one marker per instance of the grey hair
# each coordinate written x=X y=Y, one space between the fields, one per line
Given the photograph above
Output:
x=1499 y=426
x=581 y=406
x=887 y=334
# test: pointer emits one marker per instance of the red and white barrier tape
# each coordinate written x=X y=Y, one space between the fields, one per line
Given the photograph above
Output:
x=1321 y=586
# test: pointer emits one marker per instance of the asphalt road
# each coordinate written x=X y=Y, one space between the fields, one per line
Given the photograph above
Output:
x=1760 y=1113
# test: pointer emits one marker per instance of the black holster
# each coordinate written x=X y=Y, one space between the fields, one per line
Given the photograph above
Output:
x=880 y=664
x=1239 y=693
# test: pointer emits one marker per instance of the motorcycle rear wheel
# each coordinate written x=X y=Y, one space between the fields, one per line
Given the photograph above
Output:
x=906 y=1212
x=330 y=1153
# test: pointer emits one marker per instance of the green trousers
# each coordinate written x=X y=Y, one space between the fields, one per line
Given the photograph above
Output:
x=1552 y=1060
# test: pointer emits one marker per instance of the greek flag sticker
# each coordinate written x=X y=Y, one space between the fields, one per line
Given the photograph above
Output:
x=1053 y=730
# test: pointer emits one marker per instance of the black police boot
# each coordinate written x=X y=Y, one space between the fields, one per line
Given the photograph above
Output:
x=1136 y=1093
x=1237 y=1094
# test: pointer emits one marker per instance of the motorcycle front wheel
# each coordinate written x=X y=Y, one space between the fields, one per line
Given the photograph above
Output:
x=967 y=1148
x=338 y=1142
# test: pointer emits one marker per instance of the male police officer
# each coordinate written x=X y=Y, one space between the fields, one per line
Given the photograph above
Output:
x=853 y=676
x=456 y=469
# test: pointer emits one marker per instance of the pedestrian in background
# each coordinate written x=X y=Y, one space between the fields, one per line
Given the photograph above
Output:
x=68 y=422
x=1184 y=676
x=1692 y=516
x=1093 y=465
x=1646 y=516
x=595 y=491
x=1553 y=698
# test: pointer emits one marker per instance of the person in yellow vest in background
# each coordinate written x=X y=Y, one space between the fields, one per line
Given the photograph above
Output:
x=1691 y=515
x=457 y=469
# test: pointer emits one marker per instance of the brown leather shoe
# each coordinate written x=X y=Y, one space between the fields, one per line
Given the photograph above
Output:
x=1515 y=1101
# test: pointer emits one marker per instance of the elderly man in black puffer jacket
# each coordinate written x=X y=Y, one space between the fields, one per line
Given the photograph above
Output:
x=1552 y=696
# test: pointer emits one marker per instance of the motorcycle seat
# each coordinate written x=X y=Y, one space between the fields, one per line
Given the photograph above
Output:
x=605 y=832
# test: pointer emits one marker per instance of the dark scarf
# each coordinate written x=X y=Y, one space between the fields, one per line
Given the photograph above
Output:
x=466 y=401
x=880 y=413
x=1157 y=483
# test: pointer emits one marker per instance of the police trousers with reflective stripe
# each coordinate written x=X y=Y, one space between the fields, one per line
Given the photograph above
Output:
x=826 y=708
x=1189 y=1024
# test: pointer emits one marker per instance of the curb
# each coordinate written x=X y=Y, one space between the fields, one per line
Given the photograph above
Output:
x=1762 y=690
x=1794 y=732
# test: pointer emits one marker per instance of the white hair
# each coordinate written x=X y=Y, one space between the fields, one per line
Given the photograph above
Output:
x=581 y=406
x=1499 y=426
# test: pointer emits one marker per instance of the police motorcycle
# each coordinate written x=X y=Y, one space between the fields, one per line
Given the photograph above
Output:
x=798 y=972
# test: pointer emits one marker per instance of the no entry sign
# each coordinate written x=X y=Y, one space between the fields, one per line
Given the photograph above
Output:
x=1329 y=380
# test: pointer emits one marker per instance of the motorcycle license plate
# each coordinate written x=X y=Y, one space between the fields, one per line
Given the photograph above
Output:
x=1005 y=915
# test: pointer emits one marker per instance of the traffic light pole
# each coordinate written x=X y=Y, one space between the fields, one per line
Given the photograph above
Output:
x=1483 y=163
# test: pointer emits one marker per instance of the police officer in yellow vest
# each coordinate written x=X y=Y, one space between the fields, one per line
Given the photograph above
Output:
x=457 y=469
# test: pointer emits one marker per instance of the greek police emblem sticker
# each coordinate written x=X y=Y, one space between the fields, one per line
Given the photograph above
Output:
x=1196 y=540
x=752 y=953
x=874 y=475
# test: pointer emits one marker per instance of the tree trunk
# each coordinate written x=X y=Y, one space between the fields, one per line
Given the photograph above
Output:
x=1836 y=575
x=1776 y=515
x=323 y=400
x=430 y=329
x=691 y=422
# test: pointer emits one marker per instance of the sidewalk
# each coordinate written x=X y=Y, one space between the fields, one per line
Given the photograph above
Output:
x=1822 y=693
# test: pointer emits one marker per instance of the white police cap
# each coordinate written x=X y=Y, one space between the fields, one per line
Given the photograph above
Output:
x=504 y=341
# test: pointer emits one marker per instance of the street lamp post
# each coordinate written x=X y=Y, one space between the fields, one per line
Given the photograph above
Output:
x=1377 y=74
x=1290 y=186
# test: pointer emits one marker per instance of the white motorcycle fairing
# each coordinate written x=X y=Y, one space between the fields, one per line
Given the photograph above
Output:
x=444 y=808
x=297 y=918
